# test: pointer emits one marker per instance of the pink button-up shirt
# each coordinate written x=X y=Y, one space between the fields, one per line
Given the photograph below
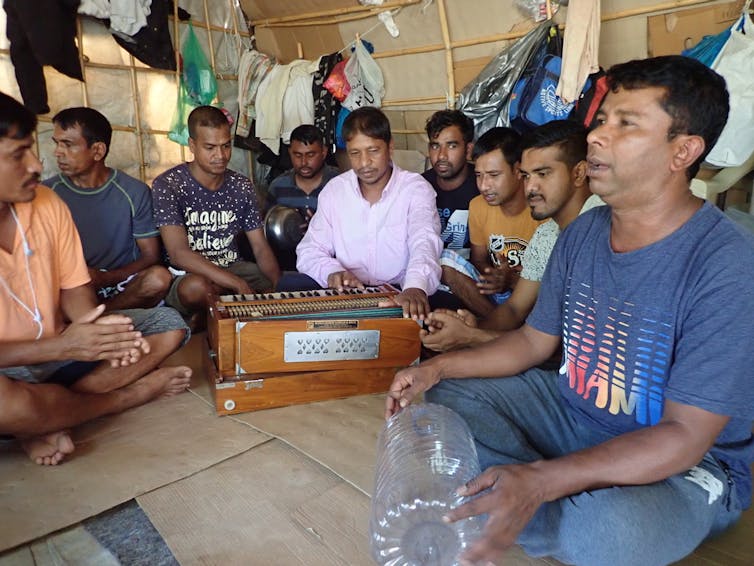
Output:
x=395 y=240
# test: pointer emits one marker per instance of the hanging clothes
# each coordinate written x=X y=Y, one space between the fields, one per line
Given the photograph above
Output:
x=126 y=17
x=580 y=48
x=326 y=107
x=36 y=41
x=298 y=101
x=269 y=103
x=152 y=45
x=253 y=67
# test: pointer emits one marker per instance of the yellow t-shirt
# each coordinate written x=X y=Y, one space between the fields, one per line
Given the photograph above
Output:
x=56 y=262
x=505 y=237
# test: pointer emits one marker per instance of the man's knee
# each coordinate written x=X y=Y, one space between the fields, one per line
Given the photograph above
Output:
x=155 y=282
x=194 y=291
x=623 y=526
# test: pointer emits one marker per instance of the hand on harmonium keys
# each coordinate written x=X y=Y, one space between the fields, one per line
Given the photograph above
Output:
x=343 y=280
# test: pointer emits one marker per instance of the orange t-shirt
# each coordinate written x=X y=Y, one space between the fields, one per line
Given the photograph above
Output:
x=57 y=262
x=505 y=237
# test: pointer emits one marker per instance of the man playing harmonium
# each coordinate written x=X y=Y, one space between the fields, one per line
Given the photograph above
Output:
x=375 y=223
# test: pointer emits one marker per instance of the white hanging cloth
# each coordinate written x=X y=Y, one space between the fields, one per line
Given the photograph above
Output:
x=580 y=47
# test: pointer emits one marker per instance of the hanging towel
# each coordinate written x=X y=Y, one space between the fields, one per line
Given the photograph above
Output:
x=580 y=47
x=252 y=69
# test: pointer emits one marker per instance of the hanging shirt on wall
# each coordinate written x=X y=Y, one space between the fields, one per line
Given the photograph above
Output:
x=36 y=41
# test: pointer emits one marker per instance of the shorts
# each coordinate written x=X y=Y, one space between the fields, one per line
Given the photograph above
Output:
x=246 y=270
x=456 y=261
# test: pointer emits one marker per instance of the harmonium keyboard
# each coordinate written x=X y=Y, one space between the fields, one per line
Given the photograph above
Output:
x=276 y=349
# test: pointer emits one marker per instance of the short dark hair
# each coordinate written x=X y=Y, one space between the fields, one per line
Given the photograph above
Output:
x=446 y=118
x=507 y=140
x=369 y=121
x=16 y=121
x=94 y=126
x=206 y=116
x=567 y=135
x=696 y=98
x=307 y=134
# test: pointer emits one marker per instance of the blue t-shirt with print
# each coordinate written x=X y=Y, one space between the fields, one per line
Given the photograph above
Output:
x=672 y=320
x=212 y=219
x=109 y=218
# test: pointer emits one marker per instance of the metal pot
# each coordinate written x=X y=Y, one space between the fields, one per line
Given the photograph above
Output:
x=284 y=227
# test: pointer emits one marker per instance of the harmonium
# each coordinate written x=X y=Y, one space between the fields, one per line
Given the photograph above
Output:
x=276 y=349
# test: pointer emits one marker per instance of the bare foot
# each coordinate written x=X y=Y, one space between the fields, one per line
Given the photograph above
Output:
x=164 y=382
x=48 y=449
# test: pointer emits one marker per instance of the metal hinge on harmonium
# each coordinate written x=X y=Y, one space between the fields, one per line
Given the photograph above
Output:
x=320 y=329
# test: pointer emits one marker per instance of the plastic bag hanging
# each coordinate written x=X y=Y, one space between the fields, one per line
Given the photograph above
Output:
x=735 y=63
x=197 y=85
x=365 y=77
x=486 y=98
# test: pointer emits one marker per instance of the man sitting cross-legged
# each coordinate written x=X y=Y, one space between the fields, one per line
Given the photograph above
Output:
x=375 y=223
x=201 y=207
x=112 y=212
x=61 y=361
x=553 y=169
x=640 y=446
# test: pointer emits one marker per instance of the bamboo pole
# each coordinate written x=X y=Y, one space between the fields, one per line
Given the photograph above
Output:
x=177 y=48
x=213 y=27
x=327 y=21
x=408 y=132
x=82 y=61
x=451 y=94
x=137 y=113
x=656 y=8
x=210 y=43
x=410 y=51
x=411 y=101
x=115 y=127
x=234 y=14
x=265 y=22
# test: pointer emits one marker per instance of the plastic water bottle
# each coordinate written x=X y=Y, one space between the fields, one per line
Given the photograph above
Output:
x=424 y=453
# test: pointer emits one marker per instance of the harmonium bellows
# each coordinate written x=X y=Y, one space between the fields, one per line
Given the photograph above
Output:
x=275 y=349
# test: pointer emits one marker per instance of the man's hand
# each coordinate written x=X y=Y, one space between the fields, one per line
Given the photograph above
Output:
x=414 y=302
x=113 y=338
x=448 y=330
x=407 y=384
x=497 y=279
x=343 y=280
x=238 y=285
x=98 y=280
x=515 y=493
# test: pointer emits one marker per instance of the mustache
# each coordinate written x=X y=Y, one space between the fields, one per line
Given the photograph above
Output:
x=531 y=195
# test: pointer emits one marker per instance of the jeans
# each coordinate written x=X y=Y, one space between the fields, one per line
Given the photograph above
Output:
x=522 y=419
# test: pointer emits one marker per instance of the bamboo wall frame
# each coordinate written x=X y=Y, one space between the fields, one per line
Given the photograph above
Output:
x=133 y=69
x=448 y=45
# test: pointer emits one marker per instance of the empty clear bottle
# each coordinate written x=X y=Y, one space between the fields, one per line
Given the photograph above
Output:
x=424 y=453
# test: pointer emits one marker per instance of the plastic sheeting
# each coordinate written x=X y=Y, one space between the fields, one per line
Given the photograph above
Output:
x=485 y=99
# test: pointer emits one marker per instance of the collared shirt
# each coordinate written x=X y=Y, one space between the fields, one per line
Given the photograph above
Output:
x=395 y=240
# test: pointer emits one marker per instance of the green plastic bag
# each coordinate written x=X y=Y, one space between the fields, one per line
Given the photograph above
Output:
x=197 y=86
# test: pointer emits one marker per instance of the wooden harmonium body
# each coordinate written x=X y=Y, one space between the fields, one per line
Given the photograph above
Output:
x=276 y=349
